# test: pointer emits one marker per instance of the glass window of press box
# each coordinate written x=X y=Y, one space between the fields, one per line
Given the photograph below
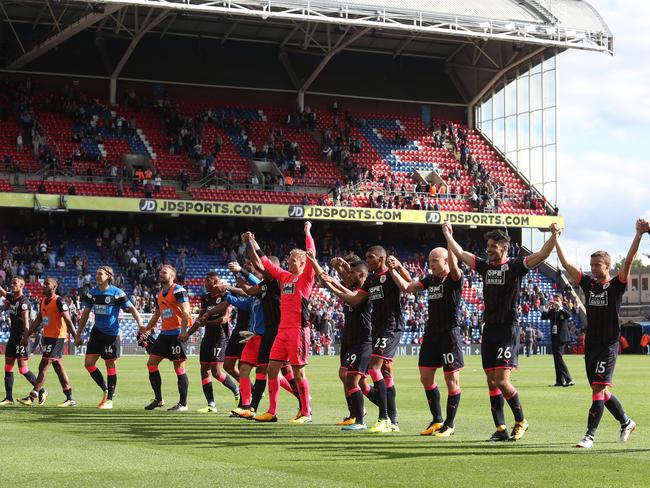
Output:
x=519 y=117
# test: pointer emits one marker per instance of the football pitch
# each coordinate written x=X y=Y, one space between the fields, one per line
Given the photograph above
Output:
x=127 y=446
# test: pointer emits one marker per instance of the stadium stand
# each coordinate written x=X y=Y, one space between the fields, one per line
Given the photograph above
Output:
x=136 y=265
x=90 y=137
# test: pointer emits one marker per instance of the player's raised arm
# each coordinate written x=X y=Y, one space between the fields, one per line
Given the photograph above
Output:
x=399 y=269
x=311 y=257
x=352 y=298
x=412 y=287
x=574 y=272
x=310 y=246
x=466 y=257
x=454 y=269
x=252 y=248
x=342 y=267
x=3 y=292
x=642 y=226
x=309 y=240
x=537 y=258
x=260 y=260
x=395 y=267
x=240 y=273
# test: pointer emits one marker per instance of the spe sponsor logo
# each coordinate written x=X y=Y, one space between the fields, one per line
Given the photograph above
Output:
x=598 y=299
x=148 y=205
x=433 y=217
x=296 y=211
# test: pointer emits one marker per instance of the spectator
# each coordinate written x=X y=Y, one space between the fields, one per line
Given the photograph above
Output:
x=157 y=183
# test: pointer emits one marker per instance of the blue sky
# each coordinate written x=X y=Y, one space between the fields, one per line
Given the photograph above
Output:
x=604 y=123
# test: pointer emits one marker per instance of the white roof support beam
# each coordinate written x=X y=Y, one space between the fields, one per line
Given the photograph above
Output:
x=488 y=86
x=135 y=41
x=129 y=50
x=403 y=46
x=230 y=30
x=340 y=46
x=392 y=18
x=11 y=25
x=40 y=15
x=62 y=36
x=56 y=21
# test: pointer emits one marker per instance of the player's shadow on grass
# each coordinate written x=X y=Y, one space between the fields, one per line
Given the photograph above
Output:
x=210 y=432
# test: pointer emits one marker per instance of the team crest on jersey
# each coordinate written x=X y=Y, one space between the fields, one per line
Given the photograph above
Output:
x=218 y=301
x=107 y=300
x=382 y=279
x=505 y=267
x=288 y=288
x=598 y=299
x=295 y=279
x=606 y=285
x=495 y=277
x=435 y=292
x=13 y=309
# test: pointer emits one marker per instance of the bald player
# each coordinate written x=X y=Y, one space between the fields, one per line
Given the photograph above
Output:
x=441 y=345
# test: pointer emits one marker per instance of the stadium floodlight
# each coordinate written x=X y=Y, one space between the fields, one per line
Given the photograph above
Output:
x=570 y=33
x=484 y=25
x=510 y=26
x=530 y=28
x=550 y=30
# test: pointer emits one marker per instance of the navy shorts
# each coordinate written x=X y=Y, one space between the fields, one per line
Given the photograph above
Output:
x=442 y=350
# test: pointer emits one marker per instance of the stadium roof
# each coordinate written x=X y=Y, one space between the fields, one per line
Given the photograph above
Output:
x=475 y=41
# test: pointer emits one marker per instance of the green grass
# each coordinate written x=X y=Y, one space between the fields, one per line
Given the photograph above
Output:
x=130 y=447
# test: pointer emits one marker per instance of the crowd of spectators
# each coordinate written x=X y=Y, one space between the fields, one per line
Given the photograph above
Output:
x=32 y=257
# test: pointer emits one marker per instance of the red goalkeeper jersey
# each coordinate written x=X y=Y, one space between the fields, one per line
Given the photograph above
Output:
x=294 y=291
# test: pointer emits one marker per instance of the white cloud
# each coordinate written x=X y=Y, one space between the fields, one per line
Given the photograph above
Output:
x=604 y=108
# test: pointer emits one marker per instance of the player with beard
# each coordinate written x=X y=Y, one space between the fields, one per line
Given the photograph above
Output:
x=500 y=341
x=173 y=306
